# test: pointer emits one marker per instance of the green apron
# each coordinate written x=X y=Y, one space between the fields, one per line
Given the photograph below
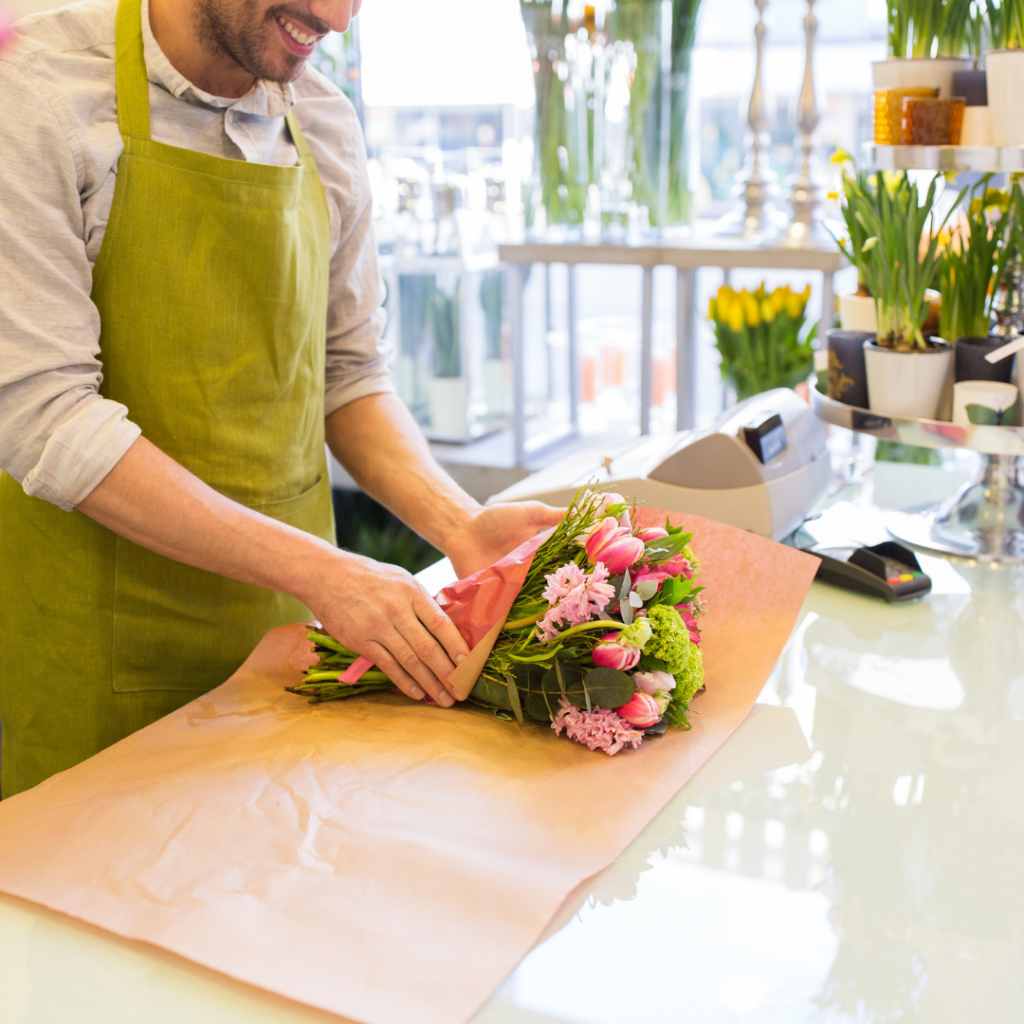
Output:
x=211 y=285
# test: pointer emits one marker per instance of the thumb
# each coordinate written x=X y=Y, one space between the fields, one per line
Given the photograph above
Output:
x=546 y=515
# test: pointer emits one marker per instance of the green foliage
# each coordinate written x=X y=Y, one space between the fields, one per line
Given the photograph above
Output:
x=442 y=295
x=1005 y=22
x=563 y=188
x=764 y=340
x=899 y=257
x=935 y=28
x=909 y=454
x=491 y=295
x=969 y=264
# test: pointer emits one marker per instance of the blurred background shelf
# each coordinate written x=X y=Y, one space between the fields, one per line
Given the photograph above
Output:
x=944 y=159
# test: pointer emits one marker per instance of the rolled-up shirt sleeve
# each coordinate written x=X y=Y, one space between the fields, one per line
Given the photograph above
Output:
x=58 y=436
x=357 y=354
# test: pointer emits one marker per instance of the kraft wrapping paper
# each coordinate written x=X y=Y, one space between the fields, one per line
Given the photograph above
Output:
x=380 y=859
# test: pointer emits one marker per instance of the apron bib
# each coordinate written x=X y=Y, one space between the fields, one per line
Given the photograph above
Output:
x=211 y=285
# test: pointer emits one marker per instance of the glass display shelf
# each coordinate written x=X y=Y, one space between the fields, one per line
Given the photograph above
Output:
x=984 y=520
x=943 y=159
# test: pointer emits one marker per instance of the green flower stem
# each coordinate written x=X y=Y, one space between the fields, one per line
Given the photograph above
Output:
x=529 y=620
x=323 y=640
x=596 y=624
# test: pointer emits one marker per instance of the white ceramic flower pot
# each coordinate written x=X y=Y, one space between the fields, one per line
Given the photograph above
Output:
x=857 y=313
x=919 y=72
x=977 y=127
x=446 y=402
x=907 y=384
x=1005 y=73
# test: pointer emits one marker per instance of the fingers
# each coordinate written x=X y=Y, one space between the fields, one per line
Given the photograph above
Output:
x=441 y=627
x=382 y=658
x=413 y=661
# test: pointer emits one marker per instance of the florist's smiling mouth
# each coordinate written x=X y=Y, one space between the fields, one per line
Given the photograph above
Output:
x=295 y=37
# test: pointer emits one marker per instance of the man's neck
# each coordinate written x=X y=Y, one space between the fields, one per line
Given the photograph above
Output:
x=175 y=26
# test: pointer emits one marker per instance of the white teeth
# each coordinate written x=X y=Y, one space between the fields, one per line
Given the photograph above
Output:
x=300 y=37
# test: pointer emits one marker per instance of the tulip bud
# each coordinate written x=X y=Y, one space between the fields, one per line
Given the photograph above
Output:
x=654 y=682
x=642 y=711
x=649 y=533
x=613 y=545
x=608 y=654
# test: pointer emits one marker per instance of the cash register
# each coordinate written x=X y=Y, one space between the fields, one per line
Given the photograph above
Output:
x=761 y=466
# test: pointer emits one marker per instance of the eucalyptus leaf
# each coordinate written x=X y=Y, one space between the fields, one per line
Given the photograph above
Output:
x=492 y=691
x=607 y=688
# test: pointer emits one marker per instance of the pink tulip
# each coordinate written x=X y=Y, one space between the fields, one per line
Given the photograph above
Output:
x=608 y=654
x=614 y=545
x=642 y=711
x=654 y=682
x=649 y=533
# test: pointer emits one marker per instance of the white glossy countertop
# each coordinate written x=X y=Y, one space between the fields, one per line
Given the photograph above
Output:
x=855 y=852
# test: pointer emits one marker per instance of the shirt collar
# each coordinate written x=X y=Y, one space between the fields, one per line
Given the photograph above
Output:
x=264 y=99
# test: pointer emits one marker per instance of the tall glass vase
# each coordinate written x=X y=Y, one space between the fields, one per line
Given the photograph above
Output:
x=561 y=163
x=612 y=88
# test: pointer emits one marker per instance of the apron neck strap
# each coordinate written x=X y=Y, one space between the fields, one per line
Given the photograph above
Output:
x=130 y=68
x=299 y=140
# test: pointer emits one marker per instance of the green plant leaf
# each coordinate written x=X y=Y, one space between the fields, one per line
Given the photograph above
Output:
x=653 y=664
x=606 y=687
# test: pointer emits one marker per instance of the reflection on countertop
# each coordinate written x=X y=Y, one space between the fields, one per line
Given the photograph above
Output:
x=879 y=879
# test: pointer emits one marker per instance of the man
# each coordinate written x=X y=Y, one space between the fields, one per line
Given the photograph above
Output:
x=190 y=305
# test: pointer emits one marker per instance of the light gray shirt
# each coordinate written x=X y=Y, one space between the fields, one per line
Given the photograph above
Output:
x=59 y=146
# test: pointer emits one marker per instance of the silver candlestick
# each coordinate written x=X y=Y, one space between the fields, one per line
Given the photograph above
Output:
x=806 y=227
x=756 y=184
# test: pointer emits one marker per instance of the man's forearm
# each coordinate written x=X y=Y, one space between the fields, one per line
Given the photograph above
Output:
x=377 y=440
x=153 y=501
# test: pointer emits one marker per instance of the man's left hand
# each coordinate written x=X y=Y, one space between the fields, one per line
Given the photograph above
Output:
x=492 y=532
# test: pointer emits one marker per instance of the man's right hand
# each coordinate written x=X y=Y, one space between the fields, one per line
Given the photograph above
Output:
x=383 y=613
x=377 y=610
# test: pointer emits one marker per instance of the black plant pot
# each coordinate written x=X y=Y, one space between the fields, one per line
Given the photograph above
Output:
x=971 y=363
x=972 y=86
x=847 y=378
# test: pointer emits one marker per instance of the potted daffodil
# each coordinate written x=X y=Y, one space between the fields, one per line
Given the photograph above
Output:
x=899 y=257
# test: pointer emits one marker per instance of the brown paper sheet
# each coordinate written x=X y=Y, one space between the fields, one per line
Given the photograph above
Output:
x=383 y=860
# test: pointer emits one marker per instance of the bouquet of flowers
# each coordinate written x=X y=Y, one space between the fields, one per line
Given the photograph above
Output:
x=764 y=339
x=601 y=639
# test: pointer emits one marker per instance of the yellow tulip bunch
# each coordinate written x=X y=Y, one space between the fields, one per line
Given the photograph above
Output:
x=754 y=308
x=761 y=337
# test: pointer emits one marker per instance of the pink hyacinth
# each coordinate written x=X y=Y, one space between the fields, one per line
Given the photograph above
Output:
x=614 y=545
x=576 y=597
x=562 y=582
x=608 y=654
x=599 y=729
